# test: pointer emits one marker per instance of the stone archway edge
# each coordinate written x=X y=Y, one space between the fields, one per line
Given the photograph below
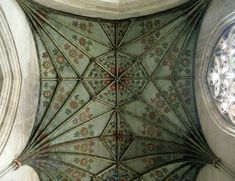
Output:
x=19 y=95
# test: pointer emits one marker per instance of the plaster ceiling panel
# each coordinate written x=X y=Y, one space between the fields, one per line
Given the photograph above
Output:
x=117 y=97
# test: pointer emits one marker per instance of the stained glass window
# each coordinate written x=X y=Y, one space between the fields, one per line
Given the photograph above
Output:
x=221 y=74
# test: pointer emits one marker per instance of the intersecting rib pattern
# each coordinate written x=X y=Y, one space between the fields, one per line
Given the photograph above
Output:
x=117 y=97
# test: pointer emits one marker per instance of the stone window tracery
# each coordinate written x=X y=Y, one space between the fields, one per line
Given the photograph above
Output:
x=221 y=74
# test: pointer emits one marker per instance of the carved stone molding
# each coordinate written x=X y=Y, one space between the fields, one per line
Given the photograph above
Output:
x=219 y=134
x=10 y=81
x=112 y=9
x=19 y=81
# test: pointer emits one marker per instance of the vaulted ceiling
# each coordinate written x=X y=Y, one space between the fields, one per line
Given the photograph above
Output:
x=117 y=97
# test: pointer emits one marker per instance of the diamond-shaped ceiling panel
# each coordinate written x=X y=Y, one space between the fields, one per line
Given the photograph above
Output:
x=117 y=98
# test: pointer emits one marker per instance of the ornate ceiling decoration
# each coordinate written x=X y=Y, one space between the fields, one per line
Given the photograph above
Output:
x=117 y=97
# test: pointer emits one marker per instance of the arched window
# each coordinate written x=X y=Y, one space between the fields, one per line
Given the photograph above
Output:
x=221 y=74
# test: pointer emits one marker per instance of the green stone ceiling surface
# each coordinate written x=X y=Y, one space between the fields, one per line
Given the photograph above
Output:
x=117 y=97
